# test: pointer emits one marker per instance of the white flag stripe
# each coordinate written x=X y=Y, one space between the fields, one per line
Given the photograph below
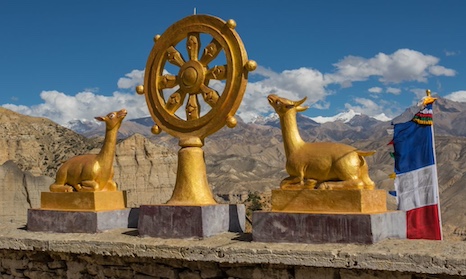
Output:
x=417 y=188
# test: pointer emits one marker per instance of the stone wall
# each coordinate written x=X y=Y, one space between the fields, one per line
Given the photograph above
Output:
x=122 y=253
x=45 y=264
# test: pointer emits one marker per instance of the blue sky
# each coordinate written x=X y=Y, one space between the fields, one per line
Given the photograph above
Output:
x=76 y=59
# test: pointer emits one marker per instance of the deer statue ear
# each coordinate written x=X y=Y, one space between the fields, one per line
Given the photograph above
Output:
x=99 y=118
x=298 y=103
x=300 y=108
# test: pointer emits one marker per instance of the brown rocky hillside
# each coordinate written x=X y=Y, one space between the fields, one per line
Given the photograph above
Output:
x=38 y=145
x=33 y=149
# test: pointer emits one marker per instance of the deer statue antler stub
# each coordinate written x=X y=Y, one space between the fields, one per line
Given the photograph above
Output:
x=92 y=172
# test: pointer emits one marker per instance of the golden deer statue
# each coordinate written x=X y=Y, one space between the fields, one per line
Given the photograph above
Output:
x=320 y=165
x=92 y=172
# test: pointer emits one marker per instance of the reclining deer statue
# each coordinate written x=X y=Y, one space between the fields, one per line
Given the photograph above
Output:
x=319 y=165
x=92 y=172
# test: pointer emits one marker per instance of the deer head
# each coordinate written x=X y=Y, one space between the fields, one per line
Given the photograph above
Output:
x=282 y=105
x=113 y=119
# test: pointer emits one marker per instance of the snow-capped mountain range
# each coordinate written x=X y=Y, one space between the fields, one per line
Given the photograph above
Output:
x=346 y=116
x=87 y=126
x=448 y=116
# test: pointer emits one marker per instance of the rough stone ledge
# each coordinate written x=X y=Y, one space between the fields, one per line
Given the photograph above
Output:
x=414 y=256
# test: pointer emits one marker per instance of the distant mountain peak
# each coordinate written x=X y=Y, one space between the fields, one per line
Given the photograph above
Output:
x=81 y=126
x=259 y=119
x=382 y=117
x=343 y=117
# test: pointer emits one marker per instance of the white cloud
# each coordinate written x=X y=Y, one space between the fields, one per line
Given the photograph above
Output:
x=375 y=90
x=451 y=53
x=365 y=106
x=402 y=65
x=457 y=96
x=298 y=82
x=394 y=91
x=62 y=108
x=291 y=84
x=321 y=105
x=441 y=71
x=131 y=80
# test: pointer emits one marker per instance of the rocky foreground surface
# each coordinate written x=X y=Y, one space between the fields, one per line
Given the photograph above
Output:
x=121 y=253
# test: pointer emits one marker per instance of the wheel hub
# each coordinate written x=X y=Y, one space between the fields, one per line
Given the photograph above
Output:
x=191 y=76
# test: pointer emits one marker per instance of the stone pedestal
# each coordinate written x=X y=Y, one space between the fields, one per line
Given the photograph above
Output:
x=81 y=212
x=328 y=216
x=327 y=228
x=46 y=220
x=181 y=221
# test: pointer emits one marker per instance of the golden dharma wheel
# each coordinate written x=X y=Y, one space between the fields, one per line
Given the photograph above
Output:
x=190 y=83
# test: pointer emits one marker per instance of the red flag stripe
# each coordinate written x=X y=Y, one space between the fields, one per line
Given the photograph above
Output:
x=424 y=223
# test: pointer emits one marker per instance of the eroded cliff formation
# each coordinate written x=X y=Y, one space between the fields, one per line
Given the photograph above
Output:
x=145 y=170
x=19 y=191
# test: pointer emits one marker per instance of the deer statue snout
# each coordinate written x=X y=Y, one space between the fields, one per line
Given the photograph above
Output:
x=122 y=113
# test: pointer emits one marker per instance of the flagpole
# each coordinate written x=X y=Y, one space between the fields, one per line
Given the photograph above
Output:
x=436 y=174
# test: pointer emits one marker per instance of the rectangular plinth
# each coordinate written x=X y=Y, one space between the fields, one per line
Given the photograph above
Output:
x=327 y=228
x=329 y=201
x=83 y=201
x=176 y=221
x=60 y=221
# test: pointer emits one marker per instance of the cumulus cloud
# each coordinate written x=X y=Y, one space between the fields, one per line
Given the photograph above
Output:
x=365 y=106
x=375 y=90
x=457 y=96
x=394 y=91
x=291 y=84
x=402 y=65
x=131 y=80
x=441 y=71
x=321 y=105
x=62 y=108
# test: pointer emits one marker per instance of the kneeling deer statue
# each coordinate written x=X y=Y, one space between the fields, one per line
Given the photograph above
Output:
x=321 y=165
x=92 y=172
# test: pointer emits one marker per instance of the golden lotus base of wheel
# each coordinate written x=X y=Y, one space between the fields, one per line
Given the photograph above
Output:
x=191 y=186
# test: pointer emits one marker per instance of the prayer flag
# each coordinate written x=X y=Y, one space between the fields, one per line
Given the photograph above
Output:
x=416 y=180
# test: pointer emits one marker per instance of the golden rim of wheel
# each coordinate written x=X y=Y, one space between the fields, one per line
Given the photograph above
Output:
x=190 y=87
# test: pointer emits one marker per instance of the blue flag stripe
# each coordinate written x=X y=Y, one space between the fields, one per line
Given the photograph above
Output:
x=413 y=146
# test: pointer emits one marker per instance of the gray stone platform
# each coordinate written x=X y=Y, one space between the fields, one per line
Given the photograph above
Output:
x=120 y=250
x=327 y=228
x=176 y=221
x=46 y=220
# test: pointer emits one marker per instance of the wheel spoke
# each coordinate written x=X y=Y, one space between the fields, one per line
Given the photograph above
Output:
x=210 y=52
x=167 y=81
x=193 y=110
x=217 y=72
x=175 y=57
x=210 y=96
x=193 y=43
x=175 y=101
